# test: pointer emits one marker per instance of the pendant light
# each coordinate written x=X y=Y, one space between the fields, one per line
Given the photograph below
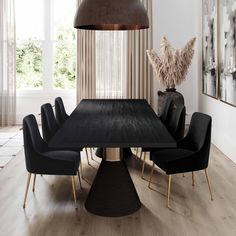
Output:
x=111 y=15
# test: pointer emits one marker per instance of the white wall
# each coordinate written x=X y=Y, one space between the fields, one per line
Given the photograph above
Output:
x=224 y=124
x=177 y=21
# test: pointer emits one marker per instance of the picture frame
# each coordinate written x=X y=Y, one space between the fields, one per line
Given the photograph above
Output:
x=210 y=48
x=227 y=51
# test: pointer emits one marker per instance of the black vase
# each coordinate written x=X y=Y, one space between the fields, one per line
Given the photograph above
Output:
x=164 y=96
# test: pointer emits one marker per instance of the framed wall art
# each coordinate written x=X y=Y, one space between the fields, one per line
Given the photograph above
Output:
x=227 y=51
x=210 y=54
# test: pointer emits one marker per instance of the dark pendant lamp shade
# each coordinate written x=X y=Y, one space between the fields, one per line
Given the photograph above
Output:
x=111 y=15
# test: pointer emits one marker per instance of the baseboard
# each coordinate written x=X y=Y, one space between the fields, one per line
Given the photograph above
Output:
x=225 y=144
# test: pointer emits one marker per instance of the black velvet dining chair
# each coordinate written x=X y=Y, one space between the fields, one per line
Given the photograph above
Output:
x=50 y=127
x=61 y=115
x=42 y=160
x=175 y=126
x=191 y=155
x=49 y=123
x=166 y=114
x=165 y=117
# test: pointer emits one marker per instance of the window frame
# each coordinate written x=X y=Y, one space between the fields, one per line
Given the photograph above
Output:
x=47 y=59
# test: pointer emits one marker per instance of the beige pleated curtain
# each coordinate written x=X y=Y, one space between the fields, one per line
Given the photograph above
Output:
x=139 y=79
x=139 y=74
x=86 y=65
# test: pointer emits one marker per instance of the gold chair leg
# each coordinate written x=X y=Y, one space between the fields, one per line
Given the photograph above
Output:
x=150 y=180
x=140 y=157
x=81 y=169
x=91 y=153
x=79 y=179
x=193 y=181
x=34 y=182
x=168 y=191
x=82 y=175
x=209 y=185
x=87 y=156
x=27 y=188
x=73 y=188
x=143 y=166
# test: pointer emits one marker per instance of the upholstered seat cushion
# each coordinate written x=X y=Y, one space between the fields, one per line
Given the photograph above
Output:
x=63 y=155
x=164 y=157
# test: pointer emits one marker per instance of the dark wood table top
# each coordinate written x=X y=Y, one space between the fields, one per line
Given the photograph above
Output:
x=112 y=123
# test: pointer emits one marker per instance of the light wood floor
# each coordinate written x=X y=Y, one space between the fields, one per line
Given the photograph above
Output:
x=50 y=210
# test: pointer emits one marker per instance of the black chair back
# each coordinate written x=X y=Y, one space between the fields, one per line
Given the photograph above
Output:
x=60 y=111
x=42 y=160
x=33 y=142
x=199 y=134
x=49 y=123
x=176 y=125
x=167 y=111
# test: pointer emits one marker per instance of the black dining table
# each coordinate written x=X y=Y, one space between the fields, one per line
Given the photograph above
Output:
x=112 y=124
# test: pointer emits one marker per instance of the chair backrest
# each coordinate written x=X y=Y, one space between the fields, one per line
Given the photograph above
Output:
x=49 y=123
x=176 y=125
x=167 y=111
x=33 y=142
x=60 y=111
x=199 y=134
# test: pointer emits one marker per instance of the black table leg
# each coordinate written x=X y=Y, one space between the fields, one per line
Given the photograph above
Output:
x=112 y=193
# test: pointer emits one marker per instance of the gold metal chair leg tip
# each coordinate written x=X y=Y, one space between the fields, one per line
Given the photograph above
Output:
x=24 y=206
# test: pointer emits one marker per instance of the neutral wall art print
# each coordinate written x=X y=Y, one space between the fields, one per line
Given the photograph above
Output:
x=227 y=56
x=210 y=74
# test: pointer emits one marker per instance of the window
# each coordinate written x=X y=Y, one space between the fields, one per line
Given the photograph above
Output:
x=46 y=44
x=29 y=36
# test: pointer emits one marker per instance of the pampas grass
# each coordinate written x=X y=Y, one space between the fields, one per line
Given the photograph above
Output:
x=171 y=66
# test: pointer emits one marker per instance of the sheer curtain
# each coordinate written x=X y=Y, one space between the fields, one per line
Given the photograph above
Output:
x=122 y=67
x=111 y=64
x=7 y=63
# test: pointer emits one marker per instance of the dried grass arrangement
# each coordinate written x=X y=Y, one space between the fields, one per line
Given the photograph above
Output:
x=171 y=66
